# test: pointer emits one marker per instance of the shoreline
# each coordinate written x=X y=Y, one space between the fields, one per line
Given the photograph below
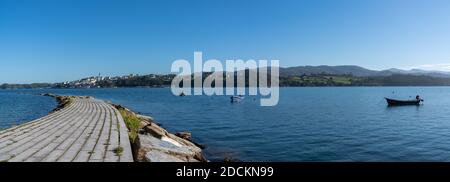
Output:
x=319 y=86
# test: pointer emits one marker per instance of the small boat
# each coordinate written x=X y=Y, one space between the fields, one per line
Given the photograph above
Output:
x=236 y=99
x=395 y=102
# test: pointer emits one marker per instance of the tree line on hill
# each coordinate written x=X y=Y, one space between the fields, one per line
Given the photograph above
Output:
x=27 y=86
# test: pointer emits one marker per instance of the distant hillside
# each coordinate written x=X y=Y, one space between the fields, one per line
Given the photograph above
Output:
x=406 y=80
x=334 y=70
x=347 y=80
x=418 y=72
x=26 y=86
x=356 y=71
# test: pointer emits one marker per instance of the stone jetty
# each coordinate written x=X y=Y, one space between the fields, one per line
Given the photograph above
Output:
x=83 y=130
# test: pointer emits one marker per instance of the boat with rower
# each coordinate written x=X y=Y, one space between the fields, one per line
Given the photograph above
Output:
x=396 y=102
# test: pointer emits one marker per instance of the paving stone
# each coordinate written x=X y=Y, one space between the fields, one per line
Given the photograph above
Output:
x=87 y=130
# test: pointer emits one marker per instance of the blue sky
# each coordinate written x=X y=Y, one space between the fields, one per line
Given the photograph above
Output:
x=58 y=40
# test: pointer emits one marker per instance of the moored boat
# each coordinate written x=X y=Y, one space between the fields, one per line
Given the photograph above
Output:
x=395 y=102
x=235 y=99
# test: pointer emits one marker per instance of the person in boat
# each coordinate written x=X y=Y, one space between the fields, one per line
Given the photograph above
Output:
x=418 y=97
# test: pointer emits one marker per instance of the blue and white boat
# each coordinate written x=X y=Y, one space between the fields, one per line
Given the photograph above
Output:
x=236 y=99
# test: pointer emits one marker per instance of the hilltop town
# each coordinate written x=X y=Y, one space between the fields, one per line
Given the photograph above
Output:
x=132 y=80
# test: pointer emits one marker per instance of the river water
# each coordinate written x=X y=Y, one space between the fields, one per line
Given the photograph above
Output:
x=308 y=124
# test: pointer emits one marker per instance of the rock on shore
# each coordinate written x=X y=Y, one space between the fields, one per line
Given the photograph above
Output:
x=158 y=145
x=155 y=144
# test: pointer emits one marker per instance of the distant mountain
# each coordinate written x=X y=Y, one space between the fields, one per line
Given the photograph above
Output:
x=439 y=74
x=356 y=71
x=335 y=70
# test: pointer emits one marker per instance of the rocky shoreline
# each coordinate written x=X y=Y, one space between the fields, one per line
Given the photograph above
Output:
x=155 y=144
x=149 y=141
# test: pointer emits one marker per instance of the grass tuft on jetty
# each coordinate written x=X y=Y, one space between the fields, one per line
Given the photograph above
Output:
x=133 y=123
x=118 y=151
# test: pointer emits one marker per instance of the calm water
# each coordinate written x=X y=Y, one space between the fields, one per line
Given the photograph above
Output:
x=17 y=107
x=309 y=124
